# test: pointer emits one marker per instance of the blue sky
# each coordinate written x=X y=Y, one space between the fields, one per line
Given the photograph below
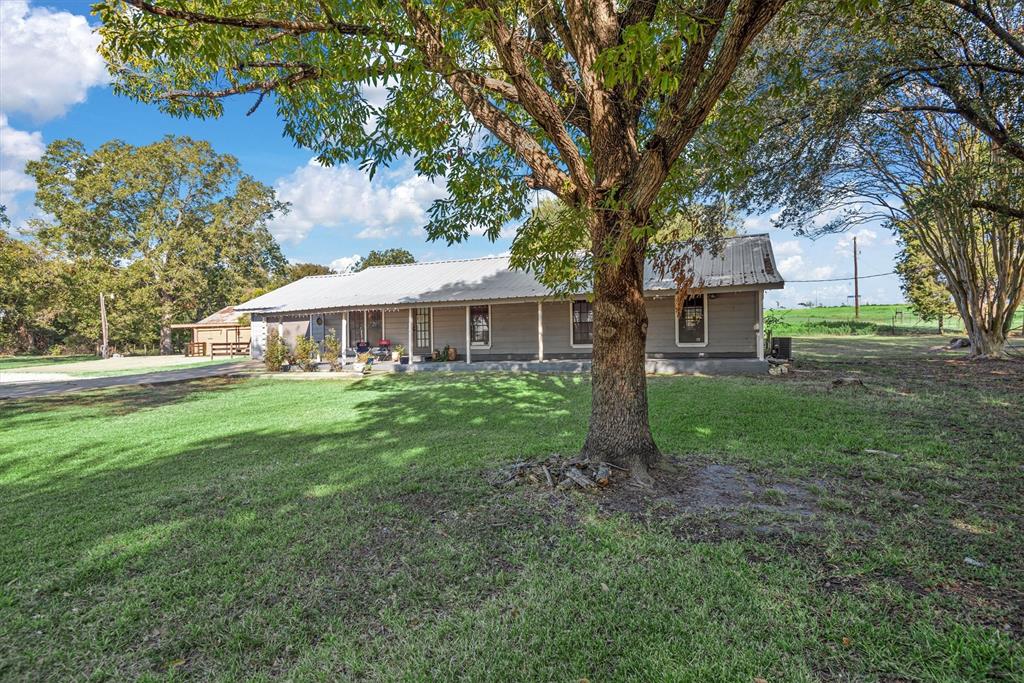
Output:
x=53 y=85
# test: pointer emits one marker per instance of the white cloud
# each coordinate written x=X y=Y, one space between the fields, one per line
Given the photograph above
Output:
x=16 y=148
x=340 y=197
x=48 y=60
x=791 y=265
x=345 y=264
x=788 y=247
x=794 y=268
x=865 y=238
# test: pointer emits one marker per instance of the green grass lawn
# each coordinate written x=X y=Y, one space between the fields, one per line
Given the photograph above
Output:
x=874 y=320
x=261 y=529
x=11 y=362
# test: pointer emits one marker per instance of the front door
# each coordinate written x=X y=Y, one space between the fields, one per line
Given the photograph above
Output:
x=374 y=326
x=356 y=328
x=421 y=332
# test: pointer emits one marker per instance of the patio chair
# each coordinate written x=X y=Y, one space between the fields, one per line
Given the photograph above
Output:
x=383 y=350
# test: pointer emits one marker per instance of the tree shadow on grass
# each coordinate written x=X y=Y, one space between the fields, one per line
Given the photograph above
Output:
x=113 y=401
x=270 y=537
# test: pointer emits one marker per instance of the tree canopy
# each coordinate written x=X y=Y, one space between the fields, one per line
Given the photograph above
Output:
x=597 y=103
x=174 y=229
x=385 y=257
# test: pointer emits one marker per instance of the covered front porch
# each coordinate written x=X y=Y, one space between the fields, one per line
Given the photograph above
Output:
x=467 y=333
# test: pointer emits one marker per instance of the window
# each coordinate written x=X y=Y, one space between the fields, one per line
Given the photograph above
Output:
x=692 y=327
x=582 y=323
x=480 y=325
x=422 y=330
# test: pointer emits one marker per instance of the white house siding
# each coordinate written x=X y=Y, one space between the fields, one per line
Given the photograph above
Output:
x=259 y=337
x=396 y=326
x=732 y=327
x=556 y=332
x=513 y=333
x=449 y=327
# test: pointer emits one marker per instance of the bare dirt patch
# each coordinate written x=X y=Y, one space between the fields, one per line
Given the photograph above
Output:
x=698 y=498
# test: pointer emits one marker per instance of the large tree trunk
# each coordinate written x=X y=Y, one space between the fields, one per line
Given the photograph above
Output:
x=619 y=431
x=988 y=339
x=166 y=316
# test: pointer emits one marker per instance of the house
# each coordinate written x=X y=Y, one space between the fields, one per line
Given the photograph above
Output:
x=488 y=312
x=226 y=332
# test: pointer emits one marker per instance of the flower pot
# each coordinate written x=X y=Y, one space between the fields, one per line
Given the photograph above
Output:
x=394 y=356
x=404 y=360
x=452 y=354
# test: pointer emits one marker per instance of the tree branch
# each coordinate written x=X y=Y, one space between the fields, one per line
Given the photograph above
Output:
x=991 y=23
x=996 y=207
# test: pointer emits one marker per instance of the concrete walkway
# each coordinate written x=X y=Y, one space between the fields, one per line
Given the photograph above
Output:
x=12 y=391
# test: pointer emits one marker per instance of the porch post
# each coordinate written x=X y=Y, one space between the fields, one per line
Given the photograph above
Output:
x=409 y=348
x=469 y=358
x=344 y=336
x=540 y=330
x=760 y=326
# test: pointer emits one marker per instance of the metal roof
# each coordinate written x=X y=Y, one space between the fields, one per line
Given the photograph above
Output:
x=225 y=317
x=743 y=261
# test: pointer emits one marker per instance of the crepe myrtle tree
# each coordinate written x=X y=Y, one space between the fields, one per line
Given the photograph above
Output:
x=593 y=101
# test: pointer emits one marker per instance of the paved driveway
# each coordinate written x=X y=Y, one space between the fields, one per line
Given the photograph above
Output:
x=33 y=389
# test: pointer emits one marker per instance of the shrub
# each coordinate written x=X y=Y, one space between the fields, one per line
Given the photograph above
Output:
x=56 y=350
x=306 y=351
x=276 y=352
x=332 y=349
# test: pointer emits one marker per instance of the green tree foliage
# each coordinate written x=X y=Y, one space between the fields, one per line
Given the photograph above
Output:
x=601 y=104
x=172 y=229
x=923 y=283
x=911 y=119
x=385 y=257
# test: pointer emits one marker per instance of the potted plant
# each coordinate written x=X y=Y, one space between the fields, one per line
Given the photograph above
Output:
x=436 y=355
x=403 y=358
x=451 y=353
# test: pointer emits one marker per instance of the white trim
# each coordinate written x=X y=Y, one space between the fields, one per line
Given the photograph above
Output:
x=760 y=326
x=675 y=322
x=572 y=343
x=410 y=346
x=344 y=337
x=469 y=336
x=469 y=347
x=540 y=330
x=430 y=352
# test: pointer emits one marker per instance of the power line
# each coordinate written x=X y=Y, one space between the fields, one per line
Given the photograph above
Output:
x=845 y=279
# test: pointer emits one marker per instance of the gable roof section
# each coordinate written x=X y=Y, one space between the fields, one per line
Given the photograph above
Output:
x=743 y=261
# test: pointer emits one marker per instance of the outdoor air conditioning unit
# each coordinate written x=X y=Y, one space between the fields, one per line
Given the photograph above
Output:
x=782 y=348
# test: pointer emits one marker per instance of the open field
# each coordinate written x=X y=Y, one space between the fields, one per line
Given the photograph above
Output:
x=874 y=320
x=258 y=529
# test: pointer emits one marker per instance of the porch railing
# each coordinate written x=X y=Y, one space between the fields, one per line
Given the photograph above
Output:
x=229 y=349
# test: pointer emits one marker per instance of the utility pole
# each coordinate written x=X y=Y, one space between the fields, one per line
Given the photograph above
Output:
x=104 y=351
x=856 y=284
